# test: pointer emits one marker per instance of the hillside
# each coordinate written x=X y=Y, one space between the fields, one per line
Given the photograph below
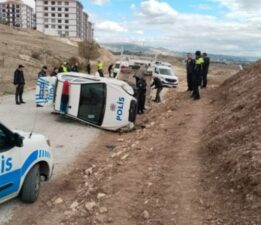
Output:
x=33 y=50
x=233 y=143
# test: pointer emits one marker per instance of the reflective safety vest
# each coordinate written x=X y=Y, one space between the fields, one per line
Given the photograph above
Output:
x=100 y=66
x=65 y=69
x=199 y=61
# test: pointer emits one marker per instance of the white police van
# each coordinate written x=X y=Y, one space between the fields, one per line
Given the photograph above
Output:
x=166 y=74
x=24 y=159
x=102 y=102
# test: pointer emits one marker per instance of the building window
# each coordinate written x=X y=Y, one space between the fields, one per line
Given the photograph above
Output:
x=67 y=27
x=66 y=9
x=46 y=26
x=53 y=26
x=59 y=9
x=66 y=3
x=46 y=14
x=53 y=20
x=59 y=21
x=59 y=15
x=53 y=2
x=66 y=21
x=46 y=8
x=53 y=14
x=59 y=3
x=66 y=15
x=46 y=2
x=46 y=20
x=59 y=27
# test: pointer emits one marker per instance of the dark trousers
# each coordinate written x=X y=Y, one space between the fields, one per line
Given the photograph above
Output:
x=19 y=93
x=141 y=101
x=157 y=99
x=190 y=81
x=204 y=79
x=101 y=73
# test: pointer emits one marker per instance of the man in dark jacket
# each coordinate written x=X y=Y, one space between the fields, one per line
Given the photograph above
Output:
x=205 y=70
x=141 y=94
x=158 y=85
x=197 y=75
x=43 y=72
x=75 y=68
x=190 y=67
x=88 y=67
x=19 y=83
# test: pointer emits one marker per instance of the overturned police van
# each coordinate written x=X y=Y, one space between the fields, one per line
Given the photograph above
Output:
x=102 y=102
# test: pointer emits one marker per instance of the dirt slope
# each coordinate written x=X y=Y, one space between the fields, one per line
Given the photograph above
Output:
x=34 y=49
x=233 y=144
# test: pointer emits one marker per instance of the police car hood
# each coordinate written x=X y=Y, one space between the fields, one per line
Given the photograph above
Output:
x=26 y=134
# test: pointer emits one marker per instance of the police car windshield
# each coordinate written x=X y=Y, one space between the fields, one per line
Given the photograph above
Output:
x=165 y=71
x=117 y=66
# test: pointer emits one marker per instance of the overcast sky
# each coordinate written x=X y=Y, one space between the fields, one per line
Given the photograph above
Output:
x=216 y=26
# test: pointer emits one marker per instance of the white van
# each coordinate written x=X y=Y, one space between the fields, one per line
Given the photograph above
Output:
x=101 y=102
x=166 y=75
x=24 y=159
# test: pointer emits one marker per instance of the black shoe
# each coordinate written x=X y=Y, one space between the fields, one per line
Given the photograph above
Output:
x=39 y=105
x=17 y=103
x=22 y=102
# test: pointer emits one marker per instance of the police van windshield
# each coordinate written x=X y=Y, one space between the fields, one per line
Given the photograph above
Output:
x=165 y=71
x=92 y=103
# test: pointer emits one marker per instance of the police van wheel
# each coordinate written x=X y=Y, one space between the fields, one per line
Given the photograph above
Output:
x=31 y=186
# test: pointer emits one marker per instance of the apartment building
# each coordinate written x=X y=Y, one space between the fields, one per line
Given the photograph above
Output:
x=16 y=13
x=64 y=18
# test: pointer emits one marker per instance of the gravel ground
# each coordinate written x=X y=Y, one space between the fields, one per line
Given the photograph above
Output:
x=68 y=137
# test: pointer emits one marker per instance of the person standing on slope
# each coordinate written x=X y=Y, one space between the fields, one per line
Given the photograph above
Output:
x=100 y=68
x=205 y=70
x=159 y=86
x=19 y=83
x=197 y=75
x=190 y=67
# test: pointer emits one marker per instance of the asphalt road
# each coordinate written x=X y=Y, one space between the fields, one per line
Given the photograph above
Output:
x=68 y=137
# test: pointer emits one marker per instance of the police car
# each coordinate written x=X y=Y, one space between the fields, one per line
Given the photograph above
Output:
x=24 y=159
x=102 y=102
x=166 y=75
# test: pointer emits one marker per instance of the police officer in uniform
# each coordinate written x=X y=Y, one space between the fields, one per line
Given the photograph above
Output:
x=141 y=94
x=197 y=74
x=159 y=86
x=19 y=82
x=205 y=70
x=100 y=68
x=190 y=67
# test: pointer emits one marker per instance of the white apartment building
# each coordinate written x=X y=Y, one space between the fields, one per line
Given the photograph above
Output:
x=64 y=18
x=16 y=13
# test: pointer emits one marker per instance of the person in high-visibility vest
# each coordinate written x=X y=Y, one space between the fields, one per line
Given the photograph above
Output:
x=197 y=75
x=100 y=68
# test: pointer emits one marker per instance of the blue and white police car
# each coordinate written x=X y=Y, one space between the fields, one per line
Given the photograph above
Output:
x=25 y=158
x=102 y=102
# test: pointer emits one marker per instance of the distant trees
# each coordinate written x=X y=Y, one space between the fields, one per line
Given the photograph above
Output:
x=89 y=50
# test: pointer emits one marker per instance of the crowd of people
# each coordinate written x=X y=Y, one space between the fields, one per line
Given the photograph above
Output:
x=197 y=73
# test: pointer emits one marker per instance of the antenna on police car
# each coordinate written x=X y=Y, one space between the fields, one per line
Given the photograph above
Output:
x=34 y=122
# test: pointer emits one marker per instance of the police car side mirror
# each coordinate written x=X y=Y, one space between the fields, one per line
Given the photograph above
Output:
x=18 y=140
